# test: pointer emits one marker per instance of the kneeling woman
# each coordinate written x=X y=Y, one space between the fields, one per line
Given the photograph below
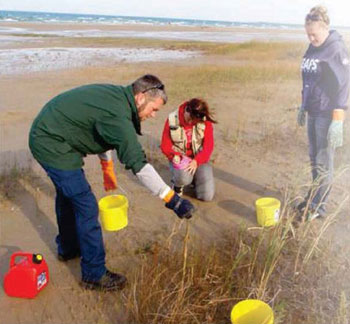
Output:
x=188 y=143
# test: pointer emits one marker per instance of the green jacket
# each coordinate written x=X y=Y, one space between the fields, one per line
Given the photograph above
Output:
x=88 y=120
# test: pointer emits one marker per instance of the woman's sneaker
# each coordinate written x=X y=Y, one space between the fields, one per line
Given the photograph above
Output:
x=110 y=281
x=311 y=215
x=301 y=207
x=179 y=190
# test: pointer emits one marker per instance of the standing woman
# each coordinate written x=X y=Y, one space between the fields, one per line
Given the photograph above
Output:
x=325 y=73
x=188 y=143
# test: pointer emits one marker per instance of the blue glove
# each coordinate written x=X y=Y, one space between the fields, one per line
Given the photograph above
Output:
x=301 y=116
x=183 y=208
x=335 y=134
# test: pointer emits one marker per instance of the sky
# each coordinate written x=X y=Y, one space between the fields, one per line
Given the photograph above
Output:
x=278 y=11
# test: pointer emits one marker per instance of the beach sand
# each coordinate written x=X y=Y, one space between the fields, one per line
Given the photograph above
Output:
x=259 y=157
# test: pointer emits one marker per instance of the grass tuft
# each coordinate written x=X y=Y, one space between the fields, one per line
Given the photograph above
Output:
x=194 y=283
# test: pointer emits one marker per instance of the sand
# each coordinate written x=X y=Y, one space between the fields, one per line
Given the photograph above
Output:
x=23 y=61
x=32 y=72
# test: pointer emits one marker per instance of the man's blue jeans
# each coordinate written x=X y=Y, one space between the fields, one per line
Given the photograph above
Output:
x=77 y=219
x=321 y=157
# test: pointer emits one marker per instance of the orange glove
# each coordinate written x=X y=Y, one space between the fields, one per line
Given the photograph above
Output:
x=109 y=177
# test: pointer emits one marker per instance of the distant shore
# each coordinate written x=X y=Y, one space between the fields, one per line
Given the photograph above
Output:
x=172 y=32
x=40 y=26
x=27 y=47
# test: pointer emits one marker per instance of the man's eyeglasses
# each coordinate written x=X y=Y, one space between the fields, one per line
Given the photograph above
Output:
x=158 y=86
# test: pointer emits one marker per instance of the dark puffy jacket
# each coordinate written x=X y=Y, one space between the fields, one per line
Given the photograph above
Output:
x=325 y=72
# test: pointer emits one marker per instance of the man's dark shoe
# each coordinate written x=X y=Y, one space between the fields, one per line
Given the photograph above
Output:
x=311 y=215
x=110 y=281
x=67 y=257
x=300 y=211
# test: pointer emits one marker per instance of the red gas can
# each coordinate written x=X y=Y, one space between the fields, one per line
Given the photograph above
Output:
x=27 y=277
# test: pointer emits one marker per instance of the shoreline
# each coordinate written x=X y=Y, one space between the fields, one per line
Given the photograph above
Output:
x=57 y=26
x=27 y=47
x=194 y=33
x=140 y=26
x=50 y=27
x=31 y=47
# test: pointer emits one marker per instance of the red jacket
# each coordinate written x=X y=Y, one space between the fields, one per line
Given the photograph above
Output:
x=208 y=142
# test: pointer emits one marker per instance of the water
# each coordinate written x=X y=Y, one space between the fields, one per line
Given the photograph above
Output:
x=23 y=16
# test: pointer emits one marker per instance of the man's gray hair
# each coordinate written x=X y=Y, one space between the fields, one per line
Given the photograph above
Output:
x=150 y=85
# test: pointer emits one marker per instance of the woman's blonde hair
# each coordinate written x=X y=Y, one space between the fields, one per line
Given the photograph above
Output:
x=318 y=13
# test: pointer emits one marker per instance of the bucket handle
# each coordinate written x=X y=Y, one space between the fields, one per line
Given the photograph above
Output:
x=27 y=255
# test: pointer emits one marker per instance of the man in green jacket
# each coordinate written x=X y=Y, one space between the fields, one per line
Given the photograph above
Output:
x=94 y=119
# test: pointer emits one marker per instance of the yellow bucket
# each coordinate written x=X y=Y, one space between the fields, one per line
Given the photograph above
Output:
x=267 y=211
x=252 y=311
x=113 y=212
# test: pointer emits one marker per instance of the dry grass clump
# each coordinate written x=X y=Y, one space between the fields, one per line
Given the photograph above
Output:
x=198 y=283
x=263 y=50
x=10 y=177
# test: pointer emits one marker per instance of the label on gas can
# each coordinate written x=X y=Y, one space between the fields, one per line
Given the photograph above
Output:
x=42 y=280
